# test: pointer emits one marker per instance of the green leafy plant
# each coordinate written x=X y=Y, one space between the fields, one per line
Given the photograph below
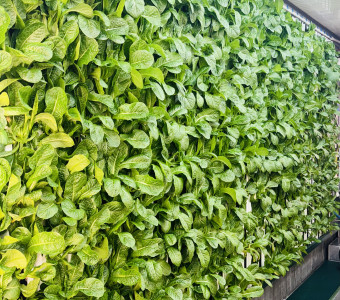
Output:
x=136 y=135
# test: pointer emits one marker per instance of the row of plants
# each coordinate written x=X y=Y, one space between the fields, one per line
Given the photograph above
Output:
x=136 y=135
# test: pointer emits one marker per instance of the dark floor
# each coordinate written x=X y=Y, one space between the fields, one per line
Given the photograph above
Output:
x=321 y=284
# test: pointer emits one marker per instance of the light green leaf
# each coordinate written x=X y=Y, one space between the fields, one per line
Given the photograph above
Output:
x=91 y=188
x=42 y=156
x=33 y=33
x=204 y=257
x=38 y=52
x=58 y=140
x=81 y=8
x=12 y=291
x=13 y=258
x=47 y=210
x=49 y=243
x=155 y=73
x=126 y=277
x=10 y=111
x=141 y=59
x=5 y=21
x=253 y=292
x=136 y=162
x=157 y=89
x=77 y=163
x=5 y=61
x=137 y=110
x=137 y=78
x=4 y=99
x=69 y=31
x=134 y=7
x=279 y=5
x=286 y=184
x=47 y=119
x=33 y=75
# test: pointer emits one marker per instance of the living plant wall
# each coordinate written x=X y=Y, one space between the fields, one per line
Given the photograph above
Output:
x=149 y=147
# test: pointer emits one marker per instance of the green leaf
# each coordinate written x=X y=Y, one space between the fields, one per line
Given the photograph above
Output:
x=91 y=287
x=151 y=13
x=38 y=52
x=204 y=257
x=137 y=139
x=118 y=27
x=41 y=172
x=6 y=82
x=74 y=183
x=224 y=160
x=175 y=256
x=88 y=51
x=149 y=185
x=33 y=33
x=136 y=162
x=71 y=211
x=227 y=176
x=126 y=239
x=141 y=59
x=126 y=277
x=230 y=191
x=262 y=151
x=157 y=89
x=49 y=243
x=286 y=184
x=91 y=188
x=88 y=256
x=12 y=291
x=112 y=186
x=90 y=27
x=42 y=156
x=69 y=31
x=56 y=102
